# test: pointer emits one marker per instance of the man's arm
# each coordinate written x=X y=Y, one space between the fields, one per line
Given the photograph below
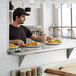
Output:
x=39 y=38
x=36 y=38
x=13 y=41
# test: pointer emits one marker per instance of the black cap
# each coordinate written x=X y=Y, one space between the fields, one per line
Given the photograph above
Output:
x=19 y=12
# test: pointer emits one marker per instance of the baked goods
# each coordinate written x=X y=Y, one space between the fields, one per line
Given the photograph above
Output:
x=12 y=45
x=33 y=43
x=54 y=41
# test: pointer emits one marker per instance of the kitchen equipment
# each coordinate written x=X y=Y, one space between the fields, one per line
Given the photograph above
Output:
x=39 y=71
x=28 y=73
x=34 y=71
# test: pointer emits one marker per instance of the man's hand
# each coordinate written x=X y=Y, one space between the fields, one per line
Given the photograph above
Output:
x=49 y=38
x=19 y=42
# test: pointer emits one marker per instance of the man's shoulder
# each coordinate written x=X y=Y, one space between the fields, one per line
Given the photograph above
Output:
x=24 y=27
x=10 y=25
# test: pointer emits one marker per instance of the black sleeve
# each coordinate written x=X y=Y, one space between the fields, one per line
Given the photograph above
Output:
x=28 y=32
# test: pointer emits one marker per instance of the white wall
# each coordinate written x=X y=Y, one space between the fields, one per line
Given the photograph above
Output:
x=47 y=17
x=4 y=58
x=17 y=3
x=34 y=18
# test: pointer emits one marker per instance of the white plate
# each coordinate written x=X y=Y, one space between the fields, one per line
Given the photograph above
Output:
x=14 y=47
x=53 y=43
x=32 y=46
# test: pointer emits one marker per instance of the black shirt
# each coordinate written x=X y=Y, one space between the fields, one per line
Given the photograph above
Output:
x=19 y=33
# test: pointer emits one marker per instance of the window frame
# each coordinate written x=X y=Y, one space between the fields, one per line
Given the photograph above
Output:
x=71 y=27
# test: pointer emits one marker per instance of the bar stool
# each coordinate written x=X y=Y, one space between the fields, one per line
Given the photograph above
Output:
x=70 y=33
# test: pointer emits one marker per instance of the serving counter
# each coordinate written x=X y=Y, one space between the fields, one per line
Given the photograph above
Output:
x=68 y=44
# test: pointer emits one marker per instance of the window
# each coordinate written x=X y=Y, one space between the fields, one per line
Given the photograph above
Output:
x=74 y=14
x=66 y=15
x=67 y=20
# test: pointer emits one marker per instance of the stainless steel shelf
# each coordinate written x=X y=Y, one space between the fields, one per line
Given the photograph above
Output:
x=67 y=45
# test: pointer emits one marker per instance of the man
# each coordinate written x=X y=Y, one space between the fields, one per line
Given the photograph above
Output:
x=19 y=33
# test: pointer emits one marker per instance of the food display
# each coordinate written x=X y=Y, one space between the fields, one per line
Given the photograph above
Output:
x=12 y=46
x=54 y=41
x=33 y=43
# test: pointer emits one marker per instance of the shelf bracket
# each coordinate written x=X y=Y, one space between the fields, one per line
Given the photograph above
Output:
x=69 y=51
x=21 y=59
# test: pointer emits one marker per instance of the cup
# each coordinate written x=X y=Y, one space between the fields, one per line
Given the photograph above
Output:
x=43 y=38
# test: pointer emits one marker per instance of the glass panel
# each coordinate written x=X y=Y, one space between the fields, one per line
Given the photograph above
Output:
x=74 y=33
x=66 y=15
x=74 y=14
x=66 y=33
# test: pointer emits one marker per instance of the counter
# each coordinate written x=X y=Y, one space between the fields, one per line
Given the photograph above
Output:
x=67 y=44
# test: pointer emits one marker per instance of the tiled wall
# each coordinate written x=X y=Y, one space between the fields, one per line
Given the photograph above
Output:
x=4 y=58
x=3 y=24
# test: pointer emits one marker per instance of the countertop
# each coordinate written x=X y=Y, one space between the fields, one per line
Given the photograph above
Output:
x=66 y=44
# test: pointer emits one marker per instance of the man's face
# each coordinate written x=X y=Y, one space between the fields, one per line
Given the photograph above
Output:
x=21 y=19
